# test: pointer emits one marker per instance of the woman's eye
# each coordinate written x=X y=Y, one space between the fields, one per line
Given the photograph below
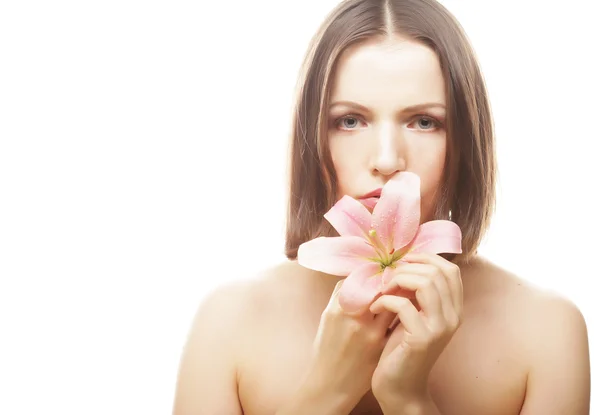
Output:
x=351 y=122
x=427 y=123
x=348 y=122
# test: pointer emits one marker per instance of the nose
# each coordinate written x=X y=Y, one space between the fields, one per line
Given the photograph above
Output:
x=389 y=154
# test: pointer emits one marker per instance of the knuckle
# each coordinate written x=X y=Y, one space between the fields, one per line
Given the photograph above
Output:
x=405 y=307
x=432 y=272
x=403 y=303
x=440 y=277
x=372 y=337
x=429 y=283
x=354 y=327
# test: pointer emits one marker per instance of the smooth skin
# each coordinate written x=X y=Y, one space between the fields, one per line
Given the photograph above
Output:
x=471 y=339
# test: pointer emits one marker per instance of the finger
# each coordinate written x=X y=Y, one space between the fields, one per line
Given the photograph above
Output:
x=336 y=289
x=426 y=293
x=334 y=307
x=441 y=282
x=401 y=292
x=407 y=313
x=333 y=300
x=384 y=320
x=394 y=324
x=451 y=272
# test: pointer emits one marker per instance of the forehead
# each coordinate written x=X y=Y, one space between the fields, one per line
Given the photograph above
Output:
x=394 y=71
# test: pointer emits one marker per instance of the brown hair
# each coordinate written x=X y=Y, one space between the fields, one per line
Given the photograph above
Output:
x=468 y=187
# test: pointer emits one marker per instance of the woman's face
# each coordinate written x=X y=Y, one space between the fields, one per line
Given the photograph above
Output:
x=387 y=115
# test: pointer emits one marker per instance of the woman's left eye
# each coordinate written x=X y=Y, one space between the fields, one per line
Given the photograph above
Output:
x=427 y=123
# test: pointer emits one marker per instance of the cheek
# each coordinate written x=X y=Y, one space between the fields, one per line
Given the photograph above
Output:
x=436 y=166
x=428 y=159
x=347 y=163
x=344 y=173
x=428 y=162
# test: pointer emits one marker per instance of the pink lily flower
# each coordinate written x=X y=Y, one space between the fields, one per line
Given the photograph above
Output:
x=371 y=245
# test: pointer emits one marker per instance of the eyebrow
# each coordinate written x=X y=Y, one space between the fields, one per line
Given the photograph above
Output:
x=412 y=108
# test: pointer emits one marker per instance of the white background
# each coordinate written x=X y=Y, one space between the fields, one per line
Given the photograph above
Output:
x=142 y=153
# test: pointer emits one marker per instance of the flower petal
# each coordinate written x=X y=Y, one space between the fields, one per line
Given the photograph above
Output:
x=437 y=236
x=360 y=288
x=349 y=217
x=338 y=255
x=397 y=214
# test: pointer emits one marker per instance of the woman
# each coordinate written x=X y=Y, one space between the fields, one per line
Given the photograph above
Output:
x=389 y=87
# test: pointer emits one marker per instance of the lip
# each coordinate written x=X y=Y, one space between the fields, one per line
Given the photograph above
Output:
x=374 y=193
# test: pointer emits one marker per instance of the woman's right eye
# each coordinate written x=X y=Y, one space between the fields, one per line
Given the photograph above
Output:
x=348 y=122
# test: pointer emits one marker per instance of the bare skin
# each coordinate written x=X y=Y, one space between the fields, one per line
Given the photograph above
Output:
x=494 y=363
x=517 y=350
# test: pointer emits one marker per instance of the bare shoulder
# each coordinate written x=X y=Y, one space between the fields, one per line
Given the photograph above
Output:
x=514 y=295
x=548 y=331
x=532 y=316
x=207 y=376
x=272 y=293
x=237 y=302
x=230 y=320
x=286 y=289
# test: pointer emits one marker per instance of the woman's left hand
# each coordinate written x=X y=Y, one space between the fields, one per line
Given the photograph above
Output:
x=426 y=326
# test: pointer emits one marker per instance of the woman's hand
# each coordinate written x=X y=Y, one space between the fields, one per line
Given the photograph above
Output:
x=427 y=323
x=345 y=353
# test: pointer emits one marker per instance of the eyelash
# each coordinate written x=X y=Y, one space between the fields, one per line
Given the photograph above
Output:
x=438 y=124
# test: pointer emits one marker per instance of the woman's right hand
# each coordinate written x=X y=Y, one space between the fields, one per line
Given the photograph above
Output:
x=346 y=351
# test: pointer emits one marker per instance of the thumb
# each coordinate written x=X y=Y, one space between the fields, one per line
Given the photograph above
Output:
x=333 y=300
